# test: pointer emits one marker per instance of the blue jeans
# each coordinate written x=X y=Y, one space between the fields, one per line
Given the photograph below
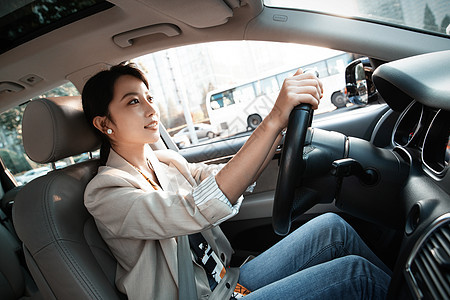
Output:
x=323 y=259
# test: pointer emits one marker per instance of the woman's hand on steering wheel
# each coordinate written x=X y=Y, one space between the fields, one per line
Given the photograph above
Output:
x=300 y=88
x=299 y=95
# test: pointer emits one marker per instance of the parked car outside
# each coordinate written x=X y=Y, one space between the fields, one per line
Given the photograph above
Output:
x=182 y=140
x=202 y=130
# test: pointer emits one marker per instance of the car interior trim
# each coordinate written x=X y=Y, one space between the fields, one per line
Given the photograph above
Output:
x=416 y=78
x=408 y=125
x=435 y=144
x=126 y=39
x=383 y=129
x=412 y=281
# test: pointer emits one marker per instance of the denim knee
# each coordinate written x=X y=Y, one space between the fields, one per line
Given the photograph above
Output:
x=332 y=218
x=334 y=221
x=361 y=267
x=354 y=261
x=360 y=277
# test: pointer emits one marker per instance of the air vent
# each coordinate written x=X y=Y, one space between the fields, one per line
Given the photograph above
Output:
x=428 y=268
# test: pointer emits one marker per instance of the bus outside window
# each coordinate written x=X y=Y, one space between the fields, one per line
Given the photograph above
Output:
x=241 y=108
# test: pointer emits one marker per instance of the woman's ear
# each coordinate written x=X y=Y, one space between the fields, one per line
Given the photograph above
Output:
x=100 y=123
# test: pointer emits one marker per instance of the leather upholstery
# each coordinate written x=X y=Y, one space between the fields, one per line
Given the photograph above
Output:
x=64 y=251
x=12 y=283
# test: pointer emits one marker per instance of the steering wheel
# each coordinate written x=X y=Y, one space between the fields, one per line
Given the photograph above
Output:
x=292 y=167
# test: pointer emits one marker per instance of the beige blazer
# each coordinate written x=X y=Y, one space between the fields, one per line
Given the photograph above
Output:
x=140 y=225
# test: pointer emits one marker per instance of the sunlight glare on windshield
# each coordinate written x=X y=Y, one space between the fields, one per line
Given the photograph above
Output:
x=431 y=15
x=343 y=7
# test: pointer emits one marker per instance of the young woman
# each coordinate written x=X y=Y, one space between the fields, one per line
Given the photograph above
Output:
x=142 y=200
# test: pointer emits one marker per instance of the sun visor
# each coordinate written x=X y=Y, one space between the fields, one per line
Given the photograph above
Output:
x=193 y=12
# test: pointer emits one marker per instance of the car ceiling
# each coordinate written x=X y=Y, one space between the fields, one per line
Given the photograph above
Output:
x=102 y=39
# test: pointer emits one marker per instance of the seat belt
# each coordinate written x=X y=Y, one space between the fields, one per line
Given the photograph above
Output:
x=187 y=288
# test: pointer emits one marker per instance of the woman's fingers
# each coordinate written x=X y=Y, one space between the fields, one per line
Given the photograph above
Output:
x=309 y=79
x=299 y=71
x=300 y=88
x=311 y=86
x=307 y=95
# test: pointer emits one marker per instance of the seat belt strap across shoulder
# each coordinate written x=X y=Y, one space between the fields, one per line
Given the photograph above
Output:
x=187 y=289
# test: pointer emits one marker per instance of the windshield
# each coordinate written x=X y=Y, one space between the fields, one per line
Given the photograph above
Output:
x=430 y=15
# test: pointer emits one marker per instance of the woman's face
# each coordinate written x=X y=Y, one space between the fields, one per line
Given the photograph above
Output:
x=134 y=115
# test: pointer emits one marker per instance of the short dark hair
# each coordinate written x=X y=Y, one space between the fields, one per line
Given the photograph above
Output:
x=98 y=93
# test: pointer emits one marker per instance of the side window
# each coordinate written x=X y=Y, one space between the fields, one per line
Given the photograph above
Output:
x=12 y=152
x=214 y=91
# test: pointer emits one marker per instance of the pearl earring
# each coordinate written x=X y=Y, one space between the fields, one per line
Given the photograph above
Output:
x=109 y=131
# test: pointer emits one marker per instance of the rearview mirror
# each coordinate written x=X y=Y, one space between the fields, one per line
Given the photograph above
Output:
x=358 y=77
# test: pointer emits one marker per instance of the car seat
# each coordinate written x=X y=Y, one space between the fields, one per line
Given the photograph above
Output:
x=15 y=282
x=63 y=249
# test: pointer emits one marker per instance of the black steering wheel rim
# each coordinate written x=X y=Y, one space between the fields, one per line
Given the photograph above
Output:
x=292 y=167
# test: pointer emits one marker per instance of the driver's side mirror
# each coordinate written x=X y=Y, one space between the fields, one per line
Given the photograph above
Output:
x=358 y=78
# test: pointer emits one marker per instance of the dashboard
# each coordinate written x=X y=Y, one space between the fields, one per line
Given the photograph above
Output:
x=419 y=89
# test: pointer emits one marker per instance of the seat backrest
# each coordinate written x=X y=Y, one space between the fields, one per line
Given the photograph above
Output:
x=63 y=248
x=15 y=282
